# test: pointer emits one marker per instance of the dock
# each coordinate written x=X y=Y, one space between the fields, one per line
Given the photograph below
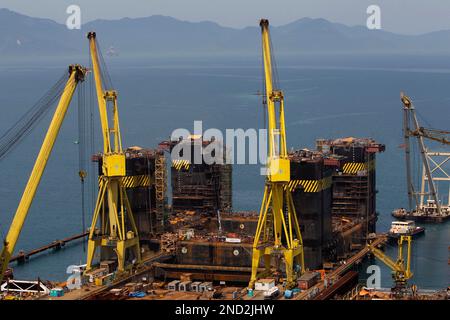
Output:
x=341 y=270
x=57 y=244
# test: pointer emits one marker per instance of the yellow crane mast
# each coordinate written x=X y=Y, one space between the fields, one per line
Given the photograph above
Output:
x=278 y=232
x=401 y=272
x=118 y=233
x=76 y=75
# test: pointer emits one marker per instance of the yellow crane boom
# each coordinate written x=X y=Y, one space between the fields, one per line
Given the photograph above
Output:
x=401 y=272
x=76 y=74
x=278 y=232
x=118 y=231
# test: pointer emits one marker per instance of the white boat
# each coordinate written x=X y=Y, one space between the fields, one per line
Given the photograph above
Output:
x=404 y=228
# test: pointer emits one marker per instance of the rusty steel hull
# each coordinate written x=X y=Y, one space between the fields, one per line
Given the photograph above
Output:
x=203 y=272
x=312 y=200
x=214 y=253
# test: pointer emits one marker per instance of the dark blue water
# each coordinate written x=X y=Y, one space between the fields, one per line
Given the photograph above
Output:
x=326 y=97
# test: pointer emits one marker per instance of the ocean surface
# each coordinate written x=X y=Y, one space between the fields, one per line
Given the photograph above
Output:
x=326 y=97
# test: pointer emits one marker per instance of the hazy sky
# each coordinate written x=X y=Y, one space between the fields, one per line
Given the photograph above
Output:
x=401 y=16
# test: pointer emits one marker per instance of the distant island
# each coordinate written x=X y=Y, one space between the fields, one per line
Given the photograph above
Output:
x=21 y=35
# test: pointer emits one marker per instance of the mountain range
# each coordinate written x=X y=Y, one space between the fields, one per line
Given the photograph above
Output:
x=21 y=35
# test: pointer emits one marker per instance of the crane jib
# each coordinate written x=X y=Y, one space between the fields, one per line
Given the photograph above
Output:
x=76 y=74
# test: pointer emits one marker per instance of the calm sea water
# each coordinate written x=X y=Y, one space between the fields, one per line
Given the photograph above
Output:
x=326 y=97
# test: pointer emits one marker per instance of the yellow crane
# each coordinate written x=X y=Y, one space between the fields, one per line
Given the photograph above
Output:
x=76 y=74
x=117 y=233
x=278 y=232
x=401 y=269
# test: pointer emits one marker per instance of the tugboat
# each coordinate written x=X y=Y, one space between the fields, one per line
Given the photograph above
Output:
x=400 y=213
x=404 y=228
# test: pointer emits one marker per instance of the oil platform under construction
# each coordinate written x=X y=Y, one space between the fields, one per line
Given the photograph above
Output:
x=333 y=191
x=164 y=226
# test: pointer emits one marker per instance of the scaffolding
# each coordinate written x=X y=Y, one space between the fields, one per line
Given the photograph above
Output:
x=226 y=198
x=161 y=188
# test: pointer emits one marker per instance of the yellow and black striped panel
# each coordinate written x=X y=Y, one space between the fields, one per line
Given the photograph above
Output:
x=136 y=181
x=181 y=164
x=354 y=167
x=310 y=185
x=133 y=181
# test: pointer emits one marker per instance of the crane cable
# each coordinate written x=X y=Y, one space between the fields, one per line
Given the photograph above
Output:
x=28 y=121
x=86 y=133
x=106 y=78
x=415 y=161
x=422 y=117
x=275 y=76
x=263 y=93
x=82 y=135
x=92 y=181
x=437 y=132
